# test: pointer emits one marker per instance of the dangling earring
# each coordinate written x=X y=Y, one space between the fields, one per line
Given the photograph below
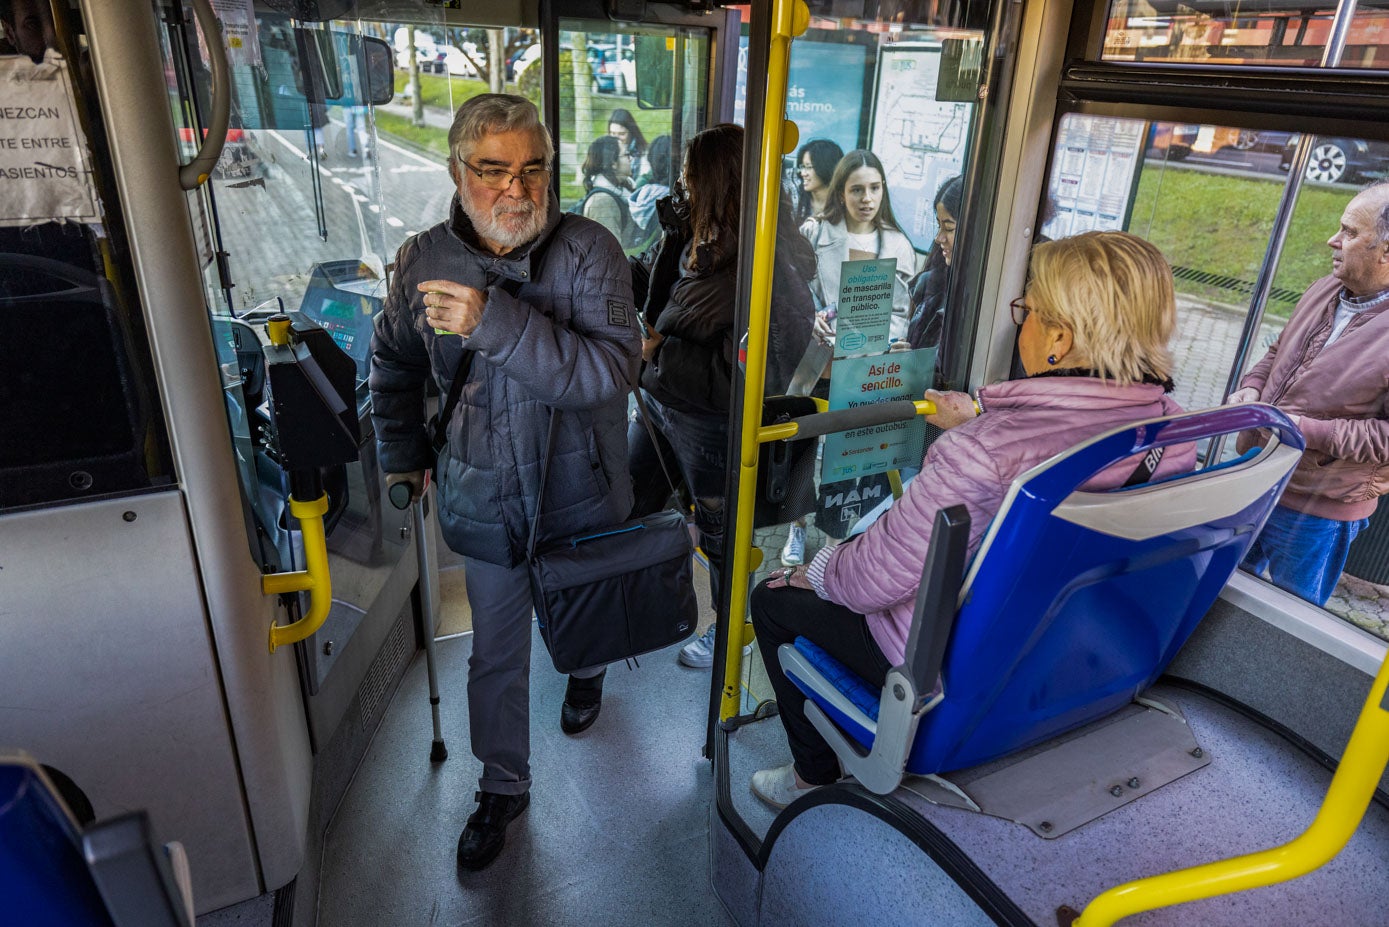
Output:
x=1051 y=359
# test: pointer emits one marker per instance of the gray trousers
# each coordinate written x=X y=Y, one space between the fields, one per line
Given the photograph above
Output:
x=499 y=674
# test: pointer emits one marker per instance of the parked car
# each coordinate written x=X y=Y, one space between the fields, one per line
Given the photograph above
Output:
x=613 y=71
x=1334 y=160
x=524 y=60
x=450 y=59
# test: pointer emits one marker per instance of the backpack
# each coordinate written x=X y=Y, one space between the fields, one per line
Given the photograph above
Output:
x=629 y=232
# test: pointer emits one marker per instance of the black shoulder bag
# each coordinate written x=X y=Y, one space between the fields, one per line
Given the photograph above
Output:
x=615 y=592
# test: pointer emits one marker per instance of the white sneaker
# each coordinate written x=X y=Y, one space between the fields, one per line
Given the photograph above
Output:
x=777 y=787
x=699 y=653
x=793 y=553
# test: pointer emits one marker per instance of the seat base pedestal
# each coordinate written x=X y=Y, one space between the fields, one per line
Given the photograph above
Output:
x=1067 y=782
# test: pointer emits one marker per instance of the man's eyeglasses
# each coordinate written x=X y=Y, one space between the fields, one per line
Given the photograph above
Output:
x=494 y=178
x=1020 y=310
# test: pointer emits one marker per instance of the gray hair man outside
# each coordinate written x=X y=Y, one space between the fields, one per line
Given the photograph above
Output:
x=567 y=340
x=1328 y=371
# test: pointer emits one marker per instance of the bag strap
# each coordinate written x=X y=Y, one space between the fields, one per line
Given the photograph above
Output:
x=550 y=450
x=465 y=363
x=1146 y=467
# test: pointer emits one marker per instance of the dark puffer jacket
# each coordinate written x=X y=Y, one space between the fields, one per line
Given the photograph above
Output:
x=567 y=341
x=692 y=369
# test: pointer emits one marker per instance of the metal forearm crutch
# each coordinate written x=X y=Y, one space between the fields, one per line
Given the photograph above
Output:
x=402 y=496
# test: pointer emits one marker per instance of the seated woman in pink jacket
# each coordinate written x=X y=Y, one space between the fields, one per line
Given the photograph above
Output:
x=1095 y=324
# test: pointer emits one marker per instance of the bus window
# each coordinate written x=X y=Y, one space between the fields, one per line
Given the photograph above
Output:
x=1210 y=202
x=1327 y=541
x=1266 y=33
x=82 y=415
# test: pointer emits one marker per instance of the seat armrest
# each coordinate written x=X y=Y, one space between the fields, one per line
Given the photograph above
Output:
x=937 y=599
x=133 y=874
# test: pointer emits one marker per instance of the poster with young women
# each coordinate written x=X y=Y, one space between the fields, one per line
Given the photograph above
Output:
x=920 y=139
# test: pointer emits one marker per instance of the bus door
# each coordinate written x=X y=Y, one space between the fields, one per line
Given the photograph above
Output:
x=335 y=154
x=870 y=147
x=622 y=98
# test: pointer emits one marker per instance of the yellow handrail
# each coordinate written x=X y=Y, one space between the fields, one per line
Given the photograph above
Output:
x=788 y=430
x=789 y=18
x=1349 y=795
x=313 y=578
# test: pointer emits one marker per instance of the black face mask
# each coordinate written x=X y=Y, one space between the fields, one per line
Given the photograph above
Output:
x=674 y=211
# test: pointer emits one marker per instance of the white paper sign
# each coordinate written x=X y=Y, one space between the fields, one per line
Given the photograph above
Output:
x=238 y=18
x=44 y=167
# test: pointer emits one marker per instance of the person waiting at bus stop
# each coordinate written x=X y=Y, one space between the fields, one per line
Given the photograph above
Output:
x=1328 y=370
x=542 y=303
x=1095 y=322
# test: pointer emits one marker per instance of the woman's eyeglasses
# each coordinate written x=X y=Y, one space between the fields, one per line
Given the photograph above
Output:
x=1020 y=310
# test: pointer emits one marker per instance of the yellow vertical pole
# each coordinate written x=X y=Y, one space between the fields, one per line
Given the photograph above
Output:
x=789 y=19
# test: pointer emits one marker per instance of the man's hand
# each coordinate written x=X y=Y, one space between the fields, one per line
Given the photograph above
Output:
x=414 y=481
x=951 y=408
x=452 y=307
x=1248 y=394
x=824 y=327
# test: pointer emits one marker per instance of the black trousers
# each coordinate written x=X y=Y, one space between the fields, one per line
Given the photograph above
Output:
x=780 y=616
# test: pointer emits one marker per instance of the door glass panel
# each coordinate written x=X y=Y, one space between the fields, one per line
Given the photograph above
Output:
x=872 y=196
x=316 y=189
x=629 y=96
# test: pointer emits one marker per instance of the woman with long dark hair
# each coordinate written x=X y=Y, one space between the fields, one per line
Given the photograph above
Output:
x=928 y=289
x=815 y=164
x=624 y=128
x=607 y=169
x=690 y=347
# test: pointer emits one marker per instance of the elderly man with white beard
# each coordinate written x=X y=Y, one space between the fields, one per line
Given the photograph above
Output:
x=533 y=309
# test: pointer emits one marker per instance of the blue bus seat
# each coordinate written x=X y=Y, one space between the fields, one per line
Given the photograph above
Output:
x=1074 y=604
x=54 y=873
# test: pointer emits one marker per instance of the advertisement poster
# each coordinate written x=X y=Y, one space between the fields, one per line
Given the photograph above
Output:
x=864 y=310
x=43 y=154
x=920 y=140
x=1093 y=174
x=859 y=381
x=825 y=94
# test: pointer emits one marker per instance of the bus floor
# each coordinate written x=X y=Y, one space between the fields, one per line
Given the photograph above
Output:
x=1258 y=792
x=617 y=832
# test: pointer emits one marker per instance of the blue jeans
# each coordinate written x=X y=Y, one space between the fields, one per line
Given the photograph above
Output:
x=1303 y=553
x=695 y=450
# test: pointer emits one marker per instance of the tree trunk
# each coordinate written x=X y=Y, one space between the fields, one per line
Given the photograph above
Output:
x=496 y=60
x=417 y=99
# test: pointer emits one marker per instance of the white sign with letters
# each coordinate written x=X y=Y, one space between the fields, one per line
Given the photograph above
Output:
x=45 y=173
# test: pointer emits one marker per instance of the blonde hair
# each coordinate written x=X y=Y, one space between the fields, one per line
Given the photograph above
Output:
x=487 y=113
x=1113 y=291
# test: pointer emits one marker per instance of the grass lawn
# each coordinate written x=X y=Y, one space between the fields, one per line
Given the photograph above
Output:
x=1219 y=224
x=435 y=141
x=440 y=92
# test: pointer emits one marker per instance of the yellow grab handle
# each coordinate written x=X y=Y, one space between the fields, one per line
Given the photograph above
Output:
x=788 y=430
x=314 y=579
x=1349 y=795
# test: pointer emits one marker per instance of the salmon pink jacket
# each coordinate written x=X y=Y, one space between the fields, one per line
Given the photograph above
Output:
x=1024 y=423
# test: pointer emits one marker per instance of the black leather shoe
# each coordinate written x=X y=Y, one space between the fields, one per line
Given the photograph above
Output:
x=485 y=834
x=583 y=699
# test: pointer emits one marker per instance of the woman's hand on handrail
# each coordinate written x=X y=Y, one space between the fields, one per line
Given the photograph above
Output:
x=951 y=408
